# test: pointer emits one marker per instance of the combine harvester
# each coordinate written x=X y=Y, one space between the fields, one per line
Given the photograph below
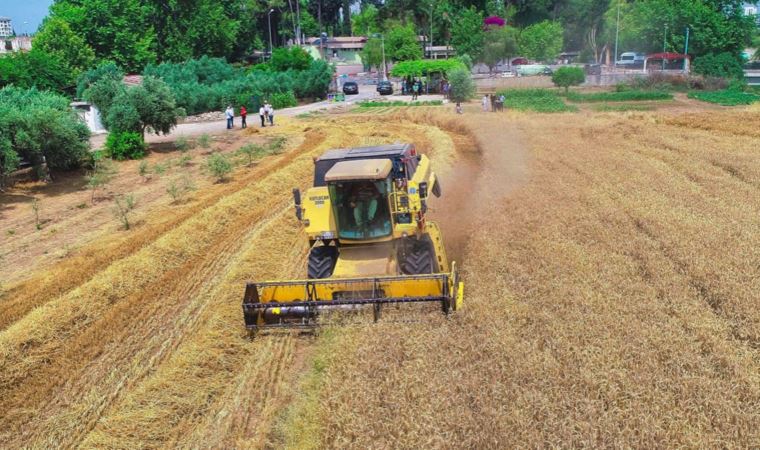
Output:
x=370 y=242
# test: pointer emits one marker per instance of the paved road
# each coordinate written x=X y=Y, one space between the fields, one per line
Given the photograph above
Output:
x=217 y=126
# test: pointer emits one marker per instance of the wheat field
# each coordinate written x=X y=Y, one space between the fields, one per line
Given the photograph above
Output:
x=611 y=262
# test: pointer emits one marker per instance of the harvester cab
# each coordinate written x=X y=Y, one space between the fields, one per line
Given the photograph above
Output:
x=370 y=242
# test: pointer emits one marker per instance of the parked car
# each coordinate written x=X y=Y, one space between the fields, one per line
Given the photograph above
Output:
x=520 y=61
x=385 y=88
x=350 y=88
x=631 y=60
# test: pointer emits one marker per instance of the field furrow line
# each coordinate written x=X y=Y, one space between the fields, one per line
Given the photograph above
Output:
x=58 y=280
x=47 y=354
x=130 y=352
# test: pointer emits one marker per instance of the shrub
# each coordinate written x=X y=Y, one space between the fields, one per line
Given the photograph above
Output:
x=724 y=65
x=40 y=127
x=462 y=88
x=538 y=100
x=568 y=76
x=101 y=174
x=123 y=206
x=726 y=97
x=218 y=166
x=183 y=144
x=284 y=100
x=619 y=96
x=122 y=145
x=204 y=141
x=295 y=58
x=251 y=151
x=144 y=170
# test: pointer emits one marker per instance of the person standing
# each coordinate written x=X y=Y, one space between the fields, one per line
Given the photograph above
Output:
x=230 y=114
x=415 y=90
x=243 y=115
x=271 y=114
x=459 y=108
x=485 y=103
x=262 y=115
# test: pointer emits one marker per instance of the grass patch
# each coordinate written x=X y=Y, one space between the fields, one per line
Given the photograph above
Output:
x=608 y=107
x=537 y=100
x=619 y=96
x=372 y=104
x=726 y=97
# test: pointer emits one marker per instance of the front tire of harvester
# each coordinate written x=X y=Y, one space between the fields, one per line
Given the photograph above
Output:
x=419 y=259
x=322 y=259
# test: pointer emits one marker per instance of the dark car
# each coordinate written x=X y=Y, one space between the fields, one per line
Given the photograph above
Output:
x=350 y=88
x=385 y=88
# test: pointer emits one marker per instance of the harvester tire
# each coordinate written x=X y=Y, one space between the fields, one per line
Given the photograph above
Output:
x=322 y=261
x=419 y=259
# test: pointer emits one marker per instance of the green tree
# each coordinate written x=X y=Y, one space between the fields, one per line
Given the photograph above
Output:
x=715 y=26
x=372 y=53
x=366 y=22
x=499 y=44
x=106 y=69
x=218 y=166
x=568 y=76
x=467 y=35
x=462 y=86
x=401 y=43
x=294 y=58
x=36 y=69
x=40 y=127
x=724 y=65
x=118 y=30
x=149 y=106
x=56 y=38
x=542 y=41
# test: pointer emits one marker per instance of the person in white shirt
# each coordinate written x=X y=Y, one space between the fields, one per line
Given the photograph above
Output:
x=262 y=115
x=271 y=114
x=230 y=114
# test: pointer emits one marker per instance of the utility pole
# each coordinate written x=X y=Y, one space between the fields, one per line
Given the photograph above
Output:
x=664 y=43
x=298 y=16
x=617 y=33
x=431 y=29
x=686 y=52
x=269 y=18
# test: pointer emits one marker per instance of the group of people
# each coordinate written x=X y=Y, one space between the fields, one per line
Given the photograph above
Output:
x=266 y=113
x=493 y=103
x=411 y=87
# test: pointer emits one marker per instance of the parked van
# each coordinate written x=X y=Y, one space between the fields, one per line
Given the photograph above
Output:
x=631 y=59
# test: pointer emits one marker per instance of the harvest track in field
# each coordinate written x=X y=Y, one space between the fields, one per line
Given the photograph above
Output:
x=611 y=263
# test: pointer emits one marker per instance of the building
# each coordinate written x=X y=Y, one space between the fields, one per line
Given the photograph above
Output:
x=6 y=29
x=439 y=52
x=343 y=51
x=752 y=9
x=15 y=44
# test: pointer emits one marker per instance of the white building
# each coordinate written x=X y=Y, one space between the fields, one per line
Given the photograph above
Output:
x=5 y=27
x=15 y=44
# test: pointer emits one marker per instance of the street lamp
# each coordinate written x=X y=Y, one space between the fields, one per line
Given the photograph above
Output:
x=269 y=18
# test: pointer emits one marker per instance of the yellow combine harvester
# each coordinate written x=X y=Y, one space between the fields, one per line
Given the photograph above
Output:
x=370 y=242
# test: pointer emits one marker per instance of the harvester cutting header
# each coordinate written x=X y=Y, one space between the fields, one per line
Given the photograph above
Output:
x=370 y=241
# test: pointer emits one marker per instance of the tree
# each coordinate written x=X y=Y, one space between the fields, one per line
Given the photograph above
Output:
x=56 y=38
x=40 y=127
x=366 y=22
x=106 y=69
x=372 y=54
x=119 y=30
x=467 y=35
x=568 y=76
x=499 y=44
x=724 y=65
x=542 y=41
x=462 y=88
x=150 y=105
x=715 y=26
x=401 y=43
x=294 y=58
x=36 y=69
x=218 y=166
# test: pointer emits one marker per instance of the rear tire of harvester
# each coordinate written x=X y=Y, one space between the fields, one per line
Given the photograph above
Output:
x=322 y=259
x=419 y=258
